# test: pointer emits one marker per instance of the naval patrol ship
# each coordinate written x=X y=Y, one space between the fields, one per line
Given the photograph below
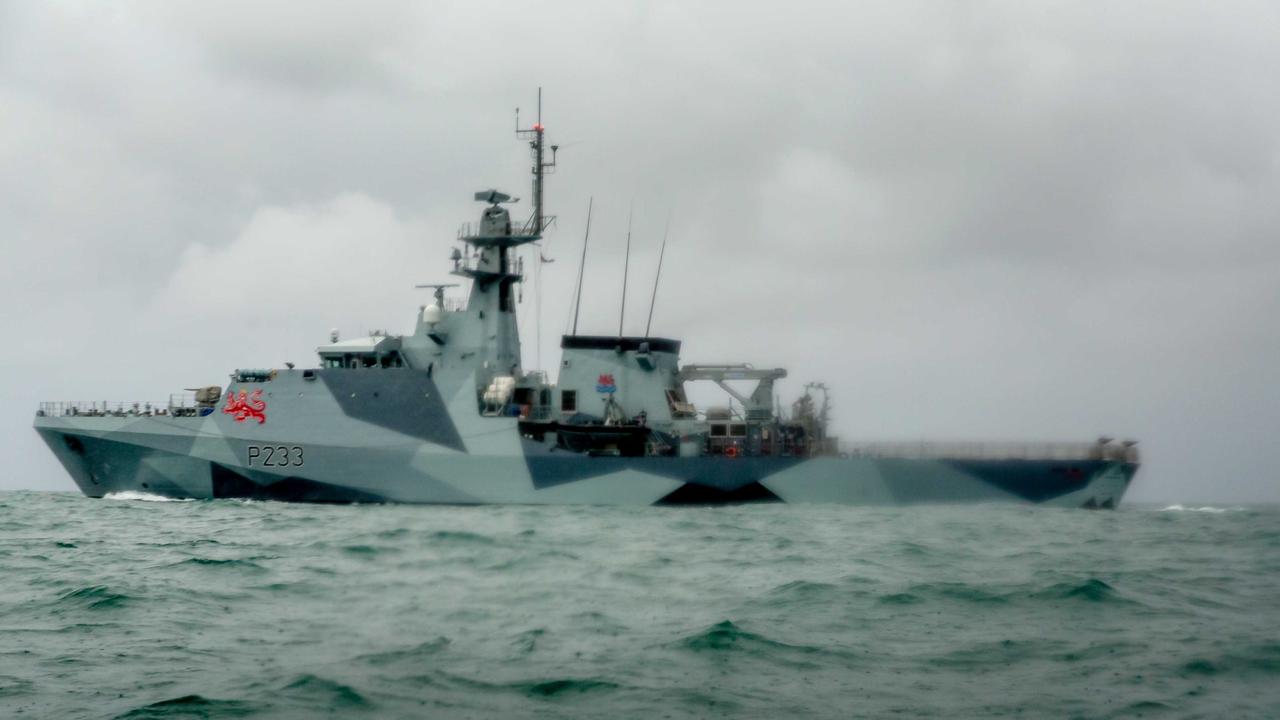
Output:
x=448 y=414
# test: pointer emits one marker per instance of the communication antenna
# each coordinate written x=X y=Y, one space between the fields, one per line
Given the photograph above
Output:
x=577 y=303
x=626 y=268
x=656 y=276
x=536 y=136
x=541 y=166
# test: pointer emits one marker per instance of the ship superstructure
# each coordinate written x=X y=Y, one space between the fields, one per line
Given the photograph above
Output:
x=448 y=414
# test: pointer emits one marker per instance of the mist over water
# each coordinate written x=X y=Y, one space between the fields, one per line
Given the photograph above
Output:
x=128 y=608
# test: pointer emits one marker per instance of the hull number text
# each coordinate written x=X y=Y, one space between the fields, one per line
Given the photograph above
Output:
x=275 y=456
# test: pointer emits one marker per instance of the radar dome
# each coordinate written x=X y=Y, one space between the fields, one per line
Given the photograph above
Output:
x=432 y=314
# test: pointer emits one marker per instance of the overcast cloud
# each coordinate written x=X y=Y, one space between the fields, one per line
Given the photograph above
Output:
x=973 y=220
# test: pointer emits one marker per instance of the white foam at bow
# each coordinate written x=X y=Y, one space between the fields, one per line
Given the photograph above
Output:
x=145 y=497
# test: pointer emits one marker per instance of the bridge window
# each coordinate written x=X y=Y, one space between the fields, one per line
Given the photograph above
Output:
x=391 y=359
x=568 y=401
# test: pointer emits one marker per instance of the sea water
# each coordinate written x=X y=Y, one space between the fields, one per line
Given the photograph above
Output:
x=127 y=607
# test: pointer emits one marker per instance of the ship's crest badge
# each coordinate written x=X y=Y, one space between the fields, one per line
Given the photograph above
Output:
x=246 y=406
x=605 y=384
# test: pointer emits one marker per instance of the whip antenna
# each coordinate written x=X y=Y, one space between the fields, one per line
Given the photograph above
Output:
x=626 y=267
x=577 y=303
x=658 y=275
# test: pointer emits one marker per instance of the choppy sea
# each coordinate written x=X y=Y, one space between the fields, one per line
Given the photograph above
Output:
x=133 y=608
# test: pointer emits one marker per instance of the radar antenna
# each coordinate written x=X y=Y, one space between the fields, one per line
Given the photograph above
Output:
x=439 y=290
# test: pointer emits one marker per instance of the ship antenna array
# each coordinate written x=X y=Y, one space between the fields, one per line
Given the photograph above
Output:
x=537 y=137
x=539 y=222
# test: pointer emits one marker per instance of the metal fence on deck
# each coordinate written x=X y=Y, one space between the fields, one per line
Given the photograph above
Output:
x=102 y=408
x=179 y=404
x=993 y=451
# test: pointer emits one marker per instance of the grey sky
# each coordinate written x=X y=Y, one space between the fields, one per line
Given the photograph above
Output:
x=974 y=220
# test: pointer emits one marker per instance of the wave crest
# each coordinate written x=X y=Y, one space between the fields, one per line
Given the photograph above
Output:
x=94 y=597
x=190 y=706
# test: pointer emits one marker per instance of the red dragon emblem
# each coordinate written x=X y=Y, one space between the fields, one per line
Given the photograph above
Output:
x=246 y=406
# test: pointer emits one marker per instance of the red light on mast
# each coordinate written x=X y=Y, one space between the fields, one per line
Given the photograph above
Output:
x=538 y=127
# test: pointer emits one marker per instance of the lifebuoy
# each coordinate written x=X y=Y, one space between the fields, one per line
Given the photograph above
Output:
x=731 y=451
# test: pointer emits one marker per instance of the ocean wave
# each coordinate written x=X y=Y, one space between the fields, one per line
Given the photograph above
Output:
x=799 y=590
x=553 y=688
x=242 y=563
x=902 y=598
x=11 y=685
x=142 y=496
x=411 y=655
x=190 y=706
x=994 y=654
x=333 y=694
x=94 y=597
x=461 y=536
x=1091 y=590
x=1088 y=590
x=950 y=591
x=726 y=638
x=1263 y=658
x=726 y=635
x=542 y=689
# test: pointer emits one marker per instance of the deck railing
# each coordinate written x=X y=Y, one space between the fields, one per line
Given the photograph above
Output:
x=179 y=405
x=994 y=451
x=518 y=229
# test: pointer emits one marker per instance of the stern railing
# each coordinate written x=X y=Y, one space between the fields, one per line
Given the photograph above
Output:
x=1121 y=451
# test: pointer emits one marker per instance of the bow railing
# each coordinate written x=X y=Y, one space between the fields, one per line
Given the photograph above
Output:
x=178 y=405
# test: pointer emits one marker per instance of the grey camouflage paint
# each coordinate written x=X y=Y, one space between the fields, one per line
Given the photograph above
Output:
x=391 y=435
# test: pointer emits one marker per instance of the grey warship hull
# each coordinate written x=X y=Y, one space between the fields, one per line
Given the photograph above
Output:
x=362 y=446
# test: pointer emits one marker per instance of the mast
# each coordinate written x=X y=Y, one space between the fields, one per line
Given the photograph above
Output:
x=537 y=136
x=494 y=268
x=539 y=222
